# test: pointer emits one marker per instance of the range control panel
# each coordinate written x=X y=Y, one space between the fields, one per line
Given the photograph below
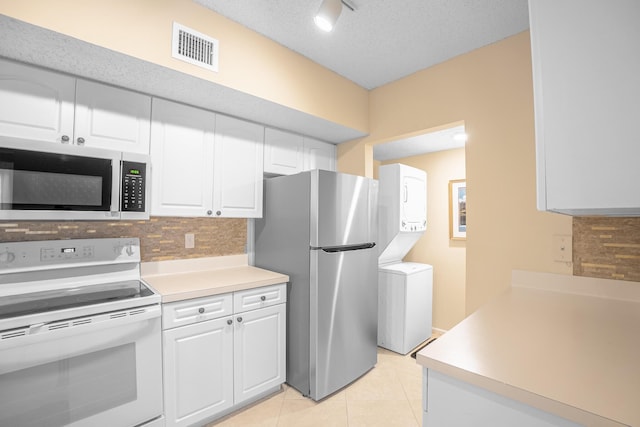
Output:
x=26 y=256
x=68 y=252
x=133 y=186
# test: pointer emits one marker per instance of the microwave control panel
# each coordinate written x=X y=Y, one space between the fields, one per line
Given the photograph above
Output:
x=133 y=186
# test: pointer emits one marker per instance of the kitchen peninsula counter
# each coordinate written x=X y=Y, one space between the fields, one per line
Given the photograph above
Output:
x=564 y=345
x=178 y=280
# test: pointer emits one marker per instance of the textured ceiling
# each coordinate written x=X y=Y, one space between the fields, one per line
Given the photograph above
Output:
x=382 y=40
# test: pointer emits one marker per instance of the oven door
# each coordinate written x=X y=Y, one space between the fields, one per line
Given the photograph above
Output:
x=101 y=370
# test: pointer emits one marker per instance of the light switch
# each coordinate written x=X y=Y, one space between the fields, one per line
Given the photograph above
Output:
x=562 y=248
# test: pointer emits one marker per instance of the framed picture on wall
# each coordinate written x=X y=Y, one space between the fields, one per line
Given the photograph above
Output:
x=458 y=209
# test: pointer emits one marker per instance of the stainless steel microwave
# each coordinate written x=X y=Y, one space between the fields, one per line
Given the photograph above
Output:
x=48 y=181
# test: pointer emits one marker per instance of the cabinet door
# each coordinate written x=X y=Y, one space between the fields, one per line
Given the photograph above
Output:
x=259 y=351
x=238 y=168
x=283 y=152
x=587 y=103
x=35 y=104
x=198 y=371
x=112 y=118
x=319 y=155
x=182 y=159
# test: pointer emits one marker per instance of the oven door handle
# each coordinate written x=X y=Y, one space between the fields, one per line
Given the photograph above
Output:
x=50 y=342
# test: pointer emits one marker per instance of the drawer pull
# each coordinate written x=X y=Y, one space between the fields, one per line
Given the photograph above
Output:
x=263 y=298
x=229 y=322
x=201 y=310
x=239 y=319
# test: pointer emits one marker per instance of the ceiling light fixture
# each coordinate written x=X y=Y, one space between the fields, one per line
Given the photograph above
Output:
x=460 y=137
x=329 y=13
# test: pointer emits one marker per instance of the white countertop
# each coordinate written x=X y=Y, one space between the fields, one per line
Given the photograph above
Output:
x=194 y=278
x=576 y=355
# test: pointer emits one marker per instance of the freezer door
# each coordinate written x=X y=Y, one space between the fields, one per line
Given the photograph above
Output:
x=343 y=209
x=344 y=316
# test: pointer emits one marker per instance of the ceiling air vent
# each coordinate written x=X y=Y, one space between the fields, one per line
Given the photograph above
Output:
x=195 y=48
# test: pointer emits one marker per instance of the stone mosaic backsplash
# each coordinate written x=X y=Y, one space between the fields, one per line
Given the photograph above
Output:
x=606 y=247
x=603 y=247
x=161 y=238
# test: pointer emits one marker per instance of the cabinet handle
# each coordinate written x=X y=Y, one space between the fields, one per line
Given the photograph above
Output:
x=209 y=212
x=218 y=213
x=229 y=322
x=239 y=319
x=80 y=140
x=263 y=298
x=201 y=310
x=65 y=139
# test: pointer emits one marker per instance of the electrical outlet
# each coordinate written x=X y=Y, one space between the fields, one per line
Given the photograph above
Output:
x=562 y=248
x=189 y=241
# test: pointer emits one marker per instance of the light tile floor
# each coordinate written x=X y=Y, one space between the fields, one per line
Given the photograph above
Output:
x=386 y=396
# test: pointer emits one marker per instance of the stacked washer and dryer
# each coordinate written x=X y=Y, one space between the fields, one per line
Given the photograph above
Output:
x=405 y=288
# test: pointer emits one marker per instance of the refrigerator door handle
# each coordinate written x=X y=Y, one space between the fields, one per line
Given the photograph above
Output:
x=331 y=249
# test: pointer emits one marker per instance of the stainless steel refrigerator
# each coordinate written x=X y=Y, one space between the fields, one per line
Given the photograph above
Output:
x=320 y=228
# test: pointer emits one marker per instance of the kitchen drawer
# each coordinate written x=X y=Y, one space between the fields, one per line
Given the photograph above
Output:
x=265 y=296
x=196 y=310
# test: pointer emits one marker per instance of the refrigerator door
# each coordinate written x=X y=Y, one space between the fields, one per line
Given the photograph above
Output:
x=343 y=322
x=343 y=209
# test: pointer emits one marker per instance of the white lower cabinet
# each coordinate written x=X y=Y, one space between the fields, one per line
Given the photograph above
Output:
x=259 y=346
x=198 y=371
x=222 y=353
x=449 y=402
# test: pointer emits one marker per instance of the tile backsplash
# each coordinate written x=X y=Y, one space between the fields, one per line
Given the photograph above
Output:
x=603 y=247
x=161 y=238
x=606 y=247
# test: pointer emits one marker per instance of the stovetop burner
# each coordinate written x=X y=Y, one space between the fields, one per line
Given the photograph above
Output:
x=39 y=302
x=47 y=281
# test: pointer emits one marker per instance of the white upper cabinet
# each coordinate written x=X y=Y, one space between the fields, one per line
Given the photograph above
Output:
x=238 y=168
x=112 y=118
x=182 y=140
x=283 y=152
x=287 y=153
x=45 y=106
x=204 y=164
x=35 y=104
x=586 y=64
x=319 y=155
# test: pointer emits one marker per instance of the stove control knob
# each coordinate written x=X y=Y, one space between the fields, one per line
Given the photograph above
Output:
x=129 y=249
x=201 y=310
x=7 y=257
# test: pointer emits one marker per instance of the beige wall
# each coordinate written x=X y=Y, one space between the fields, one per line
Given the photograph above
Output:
x=490 y=89
x=249 y=62
x=448 y=257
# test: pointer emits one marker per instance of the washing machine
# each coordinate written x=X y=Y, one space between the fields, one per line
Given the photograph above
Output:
x=404 y=288
x=404 y=305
